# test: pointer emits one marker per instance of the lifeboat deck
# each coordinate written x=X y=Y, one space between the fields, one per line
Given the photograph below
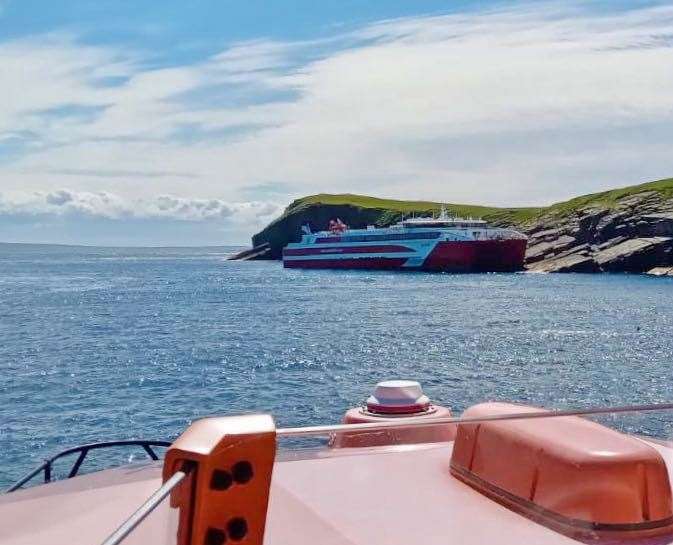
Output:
x=391 y=495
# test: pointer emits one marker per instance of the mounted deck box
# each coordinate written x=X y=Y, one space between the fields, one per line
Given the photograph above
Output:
x=573 y=475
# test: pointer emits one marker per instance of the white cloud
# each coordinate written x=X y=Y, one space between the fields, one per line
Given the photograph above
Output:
x=108 y=205
x=524 y=104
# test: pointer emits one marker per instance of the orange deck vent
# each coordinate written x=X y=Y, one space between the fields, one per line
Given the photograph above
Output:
x=226 y=497
x=573 y=475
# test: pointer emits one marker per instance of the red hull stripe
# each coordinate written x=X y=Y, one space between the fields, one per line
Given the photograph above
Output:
x=379 y=249
x=355 y=263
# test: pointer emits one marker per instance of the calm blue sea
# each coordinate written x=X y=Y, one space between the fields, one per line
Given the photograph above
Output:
x=101 y=343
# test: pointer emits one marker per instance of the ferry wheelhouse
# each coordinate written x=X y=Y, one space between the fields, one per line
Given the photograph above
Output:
x=429 y=244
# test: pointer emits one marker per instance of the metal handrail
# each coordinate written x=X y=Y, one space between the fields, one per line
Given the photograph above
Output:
x=323 y=431
x=146 y=508
x=312 y=431
x=84 y=450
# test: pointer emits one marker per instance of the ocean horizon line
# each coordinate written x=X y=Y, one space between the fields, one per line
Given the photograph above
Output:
x=113 y=246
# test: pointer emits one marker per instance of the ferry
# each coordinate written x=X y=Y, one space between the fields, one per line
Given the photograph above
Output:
x=398 y=469
x=442 y=244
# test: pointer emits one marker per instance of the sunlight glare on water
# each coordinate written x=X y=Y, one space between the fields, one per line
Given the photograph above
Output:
x=102 y=344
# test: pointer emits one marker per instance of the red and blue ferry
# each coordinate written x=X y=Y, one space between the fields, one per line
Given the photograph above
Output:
x=427 y=244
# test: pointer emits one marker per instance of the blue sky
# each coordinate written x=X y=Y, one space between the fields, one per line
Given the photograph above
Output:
x=202 y=27
x=170 y=122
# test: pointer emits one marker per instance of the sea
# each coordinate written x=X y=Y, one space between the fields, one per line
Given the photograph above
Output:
x=100 y=344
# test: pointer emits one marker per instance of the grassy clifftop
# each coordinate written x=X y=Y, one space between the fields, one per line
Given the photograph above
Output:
x=610 y=198
x=358 y=211
x=395 y=208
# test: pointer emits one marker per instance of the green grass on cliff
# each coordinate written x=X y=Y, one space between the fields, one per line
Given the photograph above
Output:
x=516 y=215
x=611 y=198
x=604 y=199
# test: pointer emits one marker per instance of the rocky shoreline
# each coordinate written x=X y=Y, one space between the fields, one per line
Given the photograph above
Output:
x=634 y=236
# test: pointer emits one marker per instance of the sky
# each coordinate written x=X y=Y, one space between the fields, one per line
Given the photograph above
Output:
x=195 y=123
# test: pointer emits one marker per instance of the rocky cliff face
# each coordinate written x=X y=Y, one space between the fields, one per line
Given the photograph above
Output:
x=635 y=234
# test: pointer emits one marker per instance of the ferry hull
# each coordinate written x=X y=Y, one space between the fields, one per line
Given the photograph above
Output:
x=446 y=256
x=477 y=256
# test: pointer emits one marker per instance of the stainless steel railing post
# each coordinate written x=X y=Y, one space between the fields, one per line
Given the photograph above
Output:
x=145 y=509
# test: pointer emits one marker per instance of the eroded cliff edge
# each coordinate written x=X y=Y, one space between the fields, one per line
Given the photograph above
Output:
x=627 y=229
x=633 y=233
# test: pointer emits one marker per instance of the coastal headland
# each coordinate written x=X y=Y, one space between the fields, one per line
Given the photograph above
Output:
x=629 y=229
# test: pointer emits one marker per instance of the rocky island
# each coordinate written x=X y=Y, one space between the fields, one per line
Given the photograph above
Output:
x=628 y=229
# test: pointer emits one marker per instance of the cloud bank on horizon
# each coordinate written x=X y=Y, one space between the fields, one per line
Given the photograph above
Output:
x=518 y=104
